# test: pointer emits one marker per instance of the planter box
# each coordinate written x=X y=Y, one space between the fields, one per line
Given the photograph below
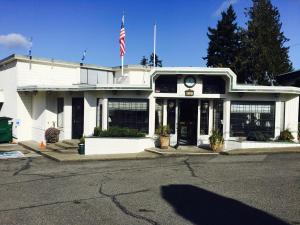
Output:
x=106 y=145
x=231 y=145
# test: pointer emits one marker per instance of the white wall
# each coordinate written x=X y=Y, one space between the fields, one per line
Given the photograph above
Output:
x=39 y=119
x=291 y=115
x=132 y=76
x=43 y=74
x=90 y=107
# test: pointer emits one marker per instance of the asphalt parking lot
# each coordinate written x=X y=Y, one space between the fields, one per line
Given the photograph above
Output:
x=209 y=190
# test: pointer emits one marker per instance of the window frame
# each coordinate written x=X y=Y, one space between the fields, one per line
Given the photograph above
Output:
x=124 y=101
x=58 y=101
x=251 y=119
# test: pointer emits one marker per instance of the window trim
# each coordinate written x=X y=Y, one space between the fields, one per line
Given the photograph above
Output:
x=272 y=103
x=131 y=99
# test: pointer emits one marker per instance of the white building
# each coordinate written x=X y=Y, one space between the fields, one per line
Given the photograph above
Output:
x=40 y=93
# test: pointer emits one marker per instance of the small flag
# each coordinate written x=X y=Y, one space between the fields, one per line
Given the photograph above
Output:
x=122 y=38
x=83 y=55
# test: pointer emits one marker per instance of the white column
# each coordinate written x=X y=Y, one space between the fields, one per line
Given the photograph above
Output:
x=210 y=118
x=165 y=112
x=151 y=116
x=226 y=119
x=67 y=116
x=90 y=106
x=278 y=118
x=291 y=115
x=105 y=114
x=198 y=121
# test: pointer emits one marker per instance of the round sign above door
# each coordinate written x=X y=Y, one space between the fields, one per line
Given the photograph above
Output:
x=189 y=81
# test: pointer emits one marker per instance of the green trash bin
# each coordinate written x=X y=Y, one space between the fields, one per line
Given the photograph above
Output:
x=6 y=129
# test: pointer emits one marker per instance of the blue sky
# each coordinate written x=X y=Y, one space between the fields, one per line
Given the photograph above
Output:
x=63 y=29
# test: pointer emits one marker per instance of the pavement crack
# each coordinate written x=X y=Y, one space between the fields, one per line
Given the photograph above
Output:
x=39 y=174
x=25 y=167
x=190 y=168
x=123 y=208
x=76 y=201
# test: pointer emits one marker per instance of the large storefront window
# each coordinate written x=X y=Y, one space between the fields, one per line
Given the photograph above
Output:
x=204 y=117
x=158 y=113
x=213 y=85
x=171 y=115
x=130 y=113
x=166 y=84
x=252 y=116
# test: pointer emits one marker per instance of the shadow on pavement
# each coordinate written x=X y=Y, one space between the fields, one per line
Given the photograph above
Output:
x=200 y=206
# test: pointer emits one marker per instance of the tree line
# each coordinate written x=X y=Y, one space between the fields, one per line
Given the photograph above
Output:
x=256 y=53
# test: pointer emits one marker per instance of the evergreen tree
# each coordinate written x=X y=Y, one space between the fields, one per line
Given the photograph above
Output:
x=144 y=61
x=267 y=55
x=158 y=62
x=223 y=45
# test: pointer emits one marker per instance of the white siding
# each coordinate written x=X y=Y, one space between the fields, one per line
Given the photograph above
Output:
x=42 y=74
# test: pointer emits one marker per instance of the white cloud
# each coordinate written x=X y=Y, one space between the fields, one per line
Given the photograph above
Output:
x=225 y=4
x=15 y=40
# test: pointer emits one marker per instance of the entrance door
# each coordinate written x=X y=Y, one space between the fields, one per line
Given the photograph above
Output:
x=77 y=117
x=187 y=126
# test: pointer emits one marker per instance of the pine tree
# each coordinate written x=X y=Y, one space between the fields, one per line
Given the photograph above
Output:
x=144 y=61
x=224 y=42
x=267 y=55
x=158 y=62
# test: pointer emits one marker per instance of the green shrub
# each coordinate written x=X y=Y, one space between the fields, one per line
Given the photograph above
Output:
x=286 y=135
x=120 y=132
x=97 y=131
x=163 y=131
x=216 y=138
x=257 y=136
x=52 y=135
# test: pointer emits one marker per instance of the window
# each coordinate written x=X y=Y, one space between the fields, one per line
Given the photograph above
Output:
x=158 y=113
x=218 y=116
x=99 y=113
x=60 y=112
x=171 y=110
x=130 y=113
x=213 y=85
x=166 y=84
x=204 y=117
x=252 y=116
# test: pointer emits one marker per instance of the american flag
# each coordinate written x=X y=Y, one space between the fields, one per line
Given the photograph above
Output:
x=122 y=38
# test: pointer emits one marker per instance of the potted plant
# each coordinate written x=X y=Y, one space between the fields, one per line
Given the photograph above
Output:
x=216 y=141
x=81 y=146
x=164 y=136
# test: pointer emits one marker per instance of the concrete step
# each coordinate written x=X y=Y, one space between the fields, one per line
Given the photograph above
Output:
x=63 y=145
x=73 y=142
x=67 y=151
x=33 y=145
x=53 y=147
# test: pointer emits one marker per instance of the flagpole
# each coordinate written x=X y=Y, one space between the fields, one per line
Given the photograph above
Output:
x=122 y=61
x=154 y=44
x=122 y=58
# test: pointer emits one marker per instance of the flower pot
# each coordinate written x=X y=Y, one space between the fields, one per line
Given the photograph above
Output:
x=81 y=148
x=164 y=142
x=217 y=147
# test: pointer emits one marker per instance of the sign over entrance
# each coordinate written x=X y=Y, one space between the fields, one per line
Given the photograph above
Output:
x=189 y=92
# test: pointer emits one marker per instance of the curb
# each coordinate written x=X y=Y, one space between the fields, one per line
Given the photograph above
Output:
x=181 y=153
